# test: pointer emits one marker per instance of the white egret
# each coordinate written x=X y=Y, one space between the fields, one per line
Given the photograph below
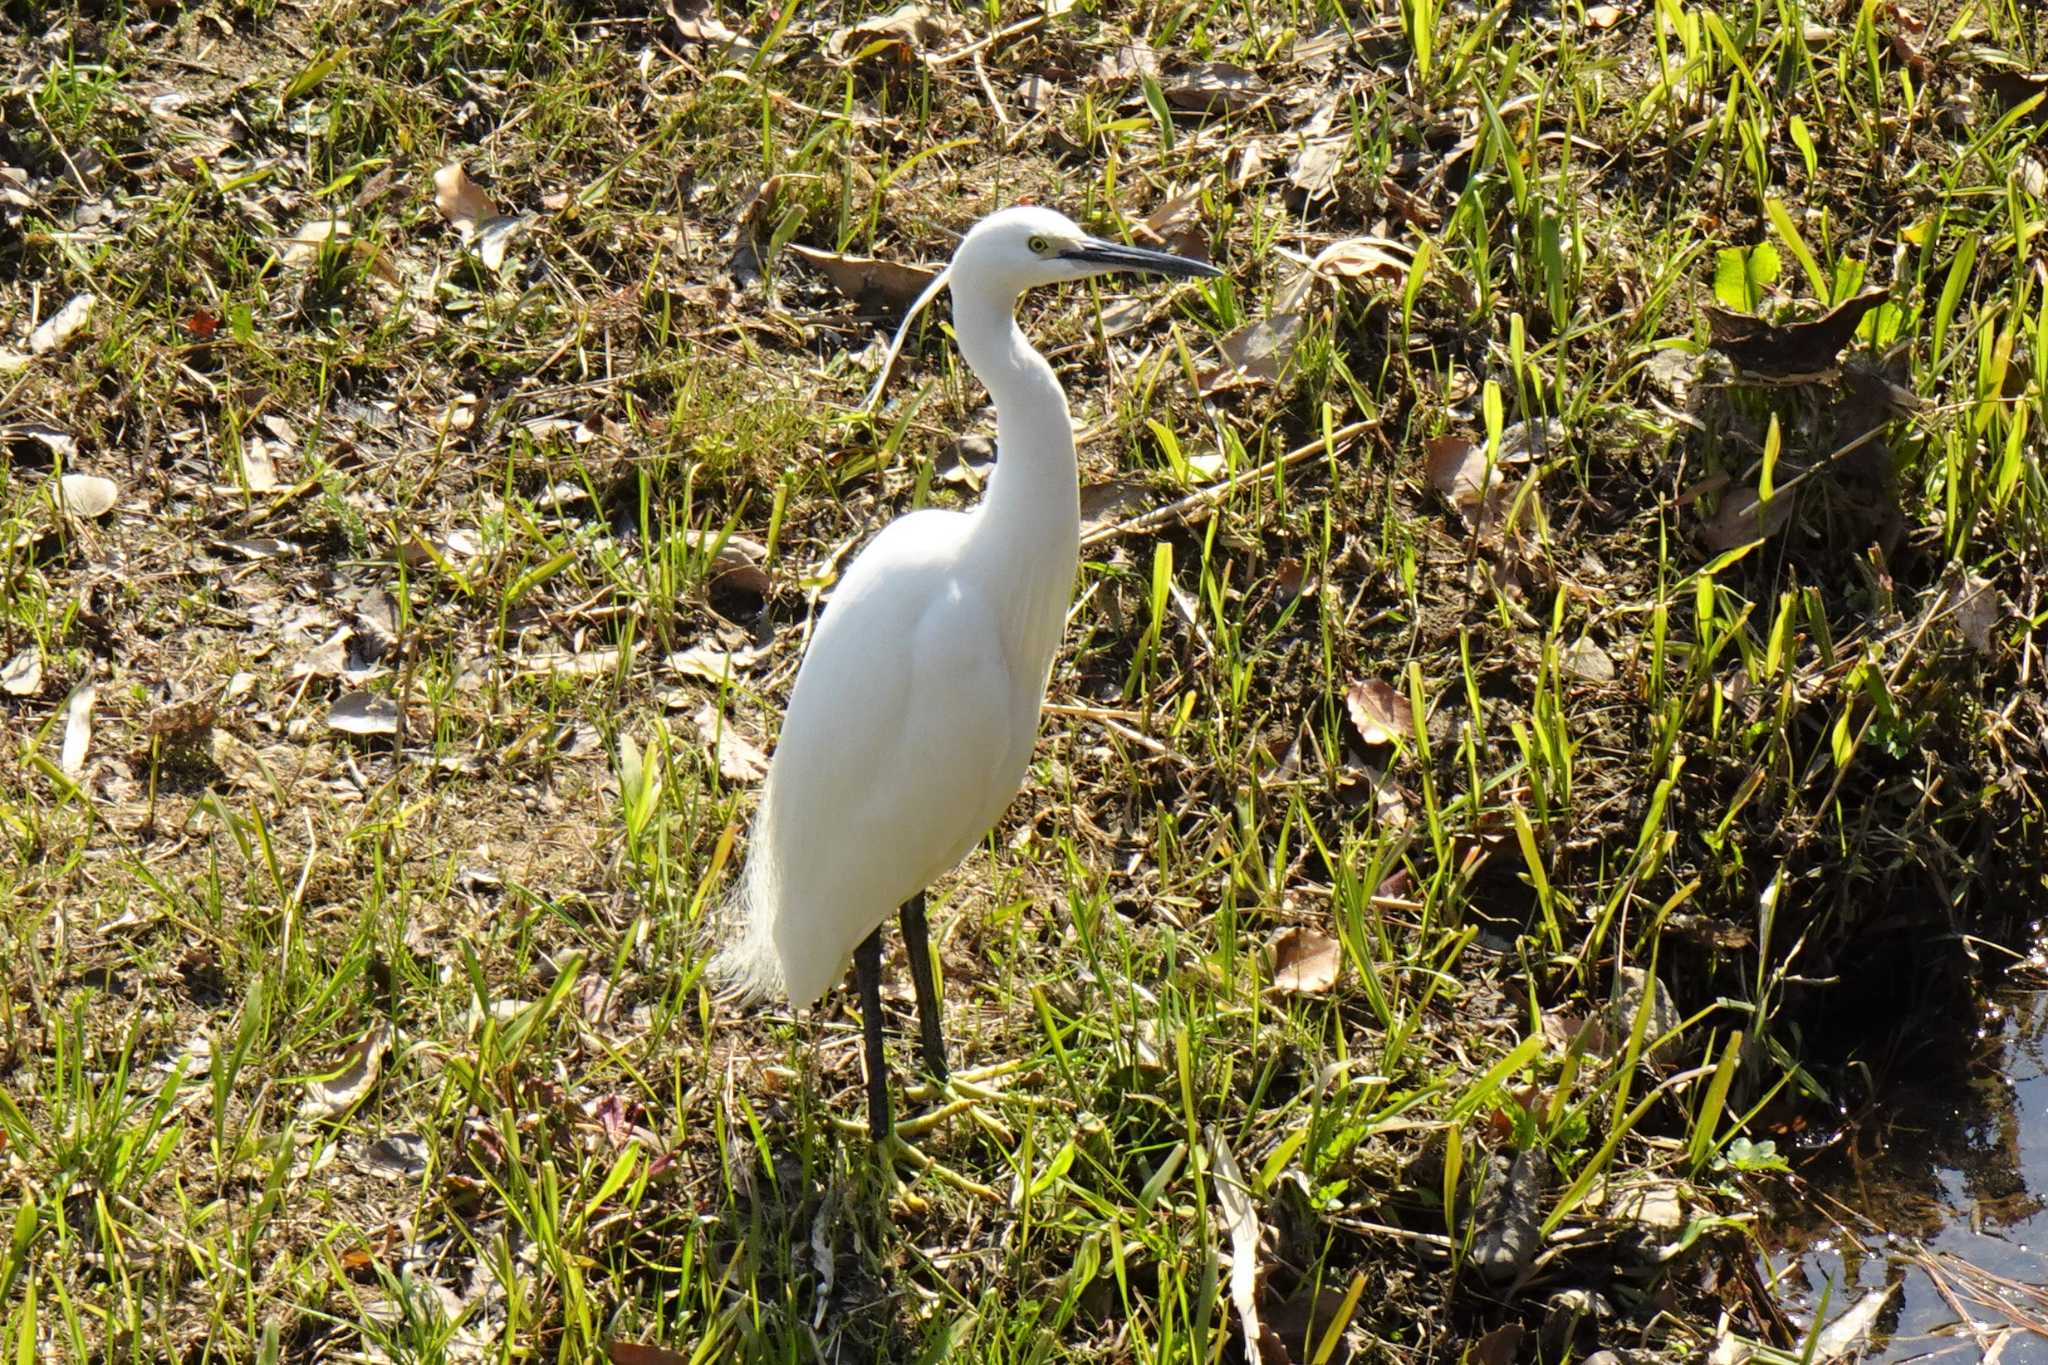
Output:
x=916 y=706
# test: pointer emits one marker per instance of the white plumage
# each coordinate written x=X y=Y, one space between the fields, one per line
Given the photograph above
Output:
x=916 y=706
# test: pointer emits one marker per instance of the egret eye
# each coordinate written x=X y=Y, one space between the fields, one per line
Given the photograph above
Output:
x=1039 y=246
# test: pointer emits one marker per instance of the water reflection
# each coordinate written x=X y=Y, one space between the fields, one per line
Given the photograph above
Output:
x=1941 y=1196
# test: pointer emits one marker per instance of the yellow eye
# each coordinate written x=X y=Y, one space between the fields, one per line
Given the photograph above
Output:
x=1039 y=246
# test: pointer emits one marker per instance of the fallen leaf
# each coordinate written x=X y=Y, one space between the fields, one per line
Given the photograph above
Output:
x=1388 y=804
x=1522 y=442
x=1586 y=661
x=1456 y=468
x=61 y=326
x=1036 y=94
x=352 y=1079
x=1602 y=16
x=1127 y=61
x=1363 y=258
x=1104 y=505
x=1630 y=984
x=1313 y=169
x=474 y=216
x=1658 y=1205
x=88 y=495
x=2014 y=86
x=397 y=1156
x=738 y=759
x=1789 y=350
x=302 y=248
x=1507 y=1237
x=1234 y=1201
x=1305 y=962
x=914 y=29
x=364 y=713
x=1256 y=353
x=56 y=440
x=1979 y=607
x=1841 y=1336
x=494 y=239
x=1125 y=315
x=1210 y=87
x=569 y=664
x=459 y=200
x=710 y=663
x=258 y=547
x=14 y=362
x=1501 y=1346
x=77 y=730
x=1380 y=713
x=259 y=465
x=708 y=30
x=23 y=675
x=634 y=1353
x=1744 y=516
x=876 y=285
x=1177 y=226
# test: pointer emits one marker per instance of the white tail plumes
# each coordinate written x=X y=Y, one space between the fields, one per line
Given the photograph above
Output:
x=749 y=966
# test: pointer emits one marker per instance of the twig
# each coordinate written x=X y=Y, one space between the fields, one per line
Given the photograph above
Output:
x=995 y=101
x=1021 y=26
x=1205 y=499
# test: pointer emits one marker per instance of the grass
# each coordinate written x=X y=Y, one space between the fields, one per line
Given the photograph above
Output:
x=328 y=1045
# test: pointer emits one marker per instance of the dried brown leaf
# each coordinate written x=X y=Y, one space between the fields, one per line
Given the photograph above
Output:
x=1456 y=468
x=56 y=440
x=302 y=248
x=364 y=713
x=23 y=675
x=1305 y=962
x=1127 y=61
x=739 y=759
x=1313 y=169
x=1214 y=87
x=1744 y=516
x=88 y=495
x=1177 y=226
x=352 y=1079
x=1255 y=354
x=1979 y=607
x=1793 y=350
x=1841 y=1338
x=1364 y=258
x=1587 y=661
x=77 y=730
x=1380 y=713
x=878 y=286
x=635 y=1353
x=1241 y=1219
x=61 y=326
x=915 y=29
x=459 y=200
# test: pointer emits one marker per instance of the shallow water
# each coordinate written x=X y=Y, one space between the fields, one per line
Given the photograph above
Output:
x=1947 y=1201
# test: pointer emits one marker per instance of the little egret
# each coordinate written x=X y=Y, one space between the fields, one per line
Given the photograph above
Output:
x=916 y=705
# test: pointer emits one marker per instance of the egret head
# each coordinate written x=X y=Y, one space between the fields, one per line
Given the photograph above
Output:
x=1024 y=247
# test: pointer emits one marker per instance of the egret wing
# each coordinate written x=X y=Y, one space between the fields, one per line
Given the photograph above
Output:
x=894 y=749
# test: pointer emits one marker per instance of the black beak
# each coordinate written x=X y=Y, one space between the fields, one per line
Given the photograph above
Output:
x=1114 y=256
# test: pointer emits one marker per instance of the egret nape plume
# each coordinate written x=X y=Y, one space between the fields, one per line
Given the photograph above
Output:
x=915 y=709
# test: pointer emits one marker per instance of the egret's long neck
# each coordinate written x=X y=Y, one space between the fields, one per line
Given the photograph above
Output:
x=1030 y=519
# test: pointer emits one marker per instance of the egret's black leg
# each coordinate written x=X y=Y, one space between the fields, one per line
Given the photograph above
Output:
x=917 y=943
x=867 y=967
